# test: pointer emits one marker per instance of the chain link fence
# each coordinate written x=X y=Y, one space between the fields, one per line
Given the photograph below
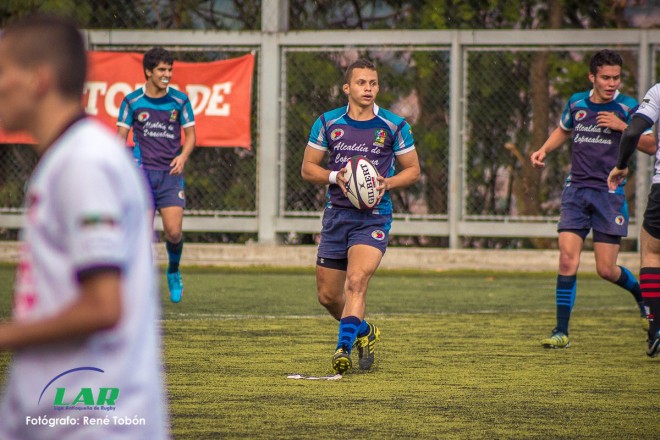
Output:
x=515 y=97
x=511 y=95
x=414 y=83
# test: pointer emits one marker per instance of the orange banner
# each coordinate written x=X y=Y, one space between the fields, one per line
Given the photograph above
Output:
x=219 y=92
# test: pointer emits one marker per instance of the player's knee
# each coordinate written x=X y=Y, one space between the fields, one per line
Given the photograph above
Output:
x=326 y=298
x=173 y=236
x=568 y=263
x=607 y=272
x=356 y=283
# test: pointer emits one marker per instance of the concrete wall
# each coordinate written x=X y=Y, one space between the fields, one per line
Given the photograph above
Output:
x=395 y=258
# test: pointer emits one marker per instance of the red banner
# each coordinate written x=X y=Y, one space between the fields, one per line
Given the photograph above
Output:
x=219 y=91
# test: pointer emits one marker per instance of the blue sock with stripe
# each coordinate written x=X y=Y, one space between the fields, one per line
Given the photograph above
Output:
x=174 y=251
x=363 y=330
x=565 y=298
x=628 y=281
x=348 y=328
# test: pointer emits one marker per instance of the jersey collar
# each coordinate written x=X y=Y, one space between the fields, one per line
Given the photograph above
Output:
x=616 y=93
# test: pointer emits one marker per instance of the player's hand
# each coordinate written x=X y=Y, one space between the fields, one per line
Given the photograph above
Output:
x=537 y=159
x=341 y=180
x=610 y=120
x=177 y=165
x=383 y=186
x=616 y=178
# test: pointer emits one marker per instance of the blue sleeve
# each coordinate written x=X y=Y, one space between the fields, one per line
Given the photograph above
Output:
x=404 y=141
x=187 y=118
x=125 y=117
x=566 y=121
x=317 y=135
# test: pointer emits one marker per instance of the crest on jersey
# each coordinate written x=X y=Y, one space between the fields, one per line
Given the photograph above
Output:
x=174 y=114
x=580 y=115
x=644 y=102
x=619 y=220
x=378 y=235
x=337 y=133
x=379 y=138
x=143 y=116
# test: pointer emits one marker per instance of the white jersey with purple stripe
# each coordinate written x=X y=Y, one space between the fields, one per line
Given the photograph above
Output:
x=86 y=211
x=379 y=139
x=649 y=109
x=156 y=124
x=595 y=149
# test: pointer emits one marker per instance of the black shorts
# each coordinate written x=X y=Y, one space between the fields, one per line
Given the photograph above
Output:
x=652 y=213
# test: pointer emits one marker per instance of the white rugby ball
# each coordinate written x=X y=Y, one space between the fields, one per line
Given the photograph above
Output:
x=361 y=182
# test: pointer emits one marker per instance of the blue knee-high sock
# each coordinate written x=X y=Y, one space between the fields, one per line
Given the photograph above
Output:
x=565 y=298
x=174 y=251
x=363 y=330
x=628 y=281
x=348 y=328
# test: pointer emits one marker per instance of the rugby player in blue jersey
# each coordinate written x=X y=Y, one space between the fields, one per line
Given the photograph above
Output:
x=157 y=113
x=353 y=241
x=594 y=121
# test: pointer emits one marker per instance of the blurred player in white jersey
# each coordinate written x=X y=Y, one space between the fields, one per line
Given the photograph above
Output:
x=157 y=113
x=84 y=334
x=649 y=273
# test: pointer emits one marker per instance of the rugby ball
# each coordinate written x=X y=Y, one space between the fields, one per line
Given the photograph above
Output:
x=361 y=182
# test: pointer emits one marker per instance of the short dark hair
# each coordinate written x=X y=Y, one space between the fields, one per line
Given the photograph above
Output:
x=604 y=57
x=51 y=39
x=154 y=57
x=359 y=64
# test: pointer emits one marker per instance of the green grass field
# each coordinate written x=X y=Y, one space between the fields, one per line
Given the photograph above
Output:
x=459 y=358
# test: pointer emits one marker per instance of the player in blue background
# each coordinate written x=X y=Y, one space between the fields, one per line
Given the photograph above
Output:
x=594 y=120
x=353 y=241
x=157 y=113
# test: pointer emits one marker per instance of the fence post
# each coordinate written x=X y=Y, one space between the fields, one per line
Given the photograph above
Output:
x=274 y=19
x=455 y=190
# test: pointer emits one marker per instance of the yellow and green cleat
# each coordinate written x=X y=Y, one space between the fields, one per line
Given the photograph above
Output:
x=557 y=340
x=366 y=347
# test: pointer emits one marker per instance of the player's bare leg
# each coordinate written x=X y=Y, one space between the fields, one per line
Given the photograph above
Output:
x=606 y=256
x=363 y=261
x=172 y=226
x=330 y=290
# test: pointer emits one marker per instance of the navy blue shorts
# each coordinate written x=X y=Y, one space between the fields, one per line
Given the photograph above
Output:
x=166 y=188
x=343 y=228
x=587 y=208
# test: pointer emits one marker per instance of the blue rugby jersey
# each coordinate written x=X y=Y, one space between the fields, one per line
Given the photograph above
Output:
x=157 y=124
x=595 y=149
x=379 y=139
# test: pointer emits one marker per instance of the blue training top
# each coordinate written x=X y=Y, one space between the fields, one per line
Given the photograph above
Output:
x=595 y=149
x=379 y=139
x=157 y=124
